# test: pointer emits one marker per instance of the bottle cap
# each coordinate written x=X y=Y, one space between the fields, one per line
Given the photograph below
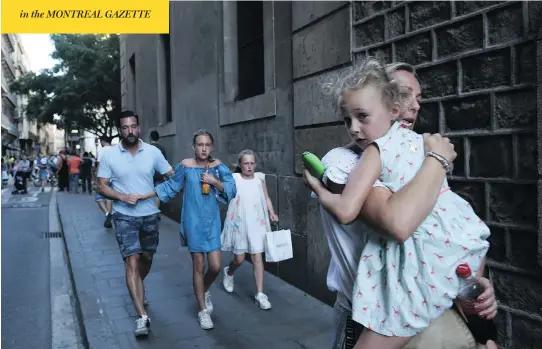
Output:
x=463 y=271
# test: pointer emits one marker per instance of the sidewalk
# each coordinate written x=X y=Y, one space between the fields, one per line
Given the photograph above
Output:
x=296 y=320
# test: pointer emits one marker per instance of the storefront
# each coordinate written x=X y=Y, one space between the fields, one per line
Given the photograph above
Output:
x=10 y=143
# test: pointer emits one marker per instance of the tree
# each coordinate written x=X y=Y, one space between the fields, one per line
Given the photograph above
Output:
x=82 y=90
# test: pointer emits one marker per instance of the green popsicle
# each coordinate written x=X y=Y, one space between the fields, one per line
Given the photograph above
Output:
x=314 y=165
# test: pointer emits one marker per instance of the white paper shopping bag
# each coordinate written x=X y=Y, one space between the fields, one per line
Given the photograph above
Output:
x=278 y=246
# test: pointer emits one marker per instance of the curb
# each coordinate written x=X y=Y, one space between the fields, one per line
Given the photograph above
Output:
x=66 y=326
x=75 y=294
x=95 y=328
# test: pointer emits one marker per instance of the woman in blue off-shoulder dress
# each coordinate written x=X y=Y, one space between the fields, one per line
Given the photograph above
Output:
x=205 y=182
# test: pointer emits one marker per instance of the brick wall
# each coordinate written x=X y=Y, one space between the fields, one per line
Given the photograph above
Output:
x=476 y=61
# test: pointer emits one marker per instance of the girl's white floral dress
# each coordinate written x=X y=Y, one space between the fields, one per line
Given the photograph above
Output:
x=401 y=287
x=247 y=219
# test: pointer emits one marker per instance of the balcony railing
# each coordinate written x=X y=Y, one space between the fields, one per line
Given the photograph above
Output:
x=14 y=130
x=8 y=63
x=10 y=97
x=10 y=125
x=12 y=41
x=5 y=85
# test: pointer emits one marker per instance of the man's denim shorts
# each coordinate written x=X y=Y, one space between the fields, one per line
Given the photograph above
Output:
x=136 y=235
x=43 y=174
x=100 y=197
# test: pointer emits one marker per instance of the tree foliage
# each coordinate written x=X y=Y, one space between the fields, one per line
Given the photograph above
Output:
x=82 y=90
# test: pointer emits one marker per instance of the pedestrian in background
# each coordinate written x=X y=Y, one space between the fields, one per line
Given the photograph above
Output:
x=105 y=205
x=86 y=173
x=74 y=162
x=155 y=137
x=63 y=172
x=43 y=171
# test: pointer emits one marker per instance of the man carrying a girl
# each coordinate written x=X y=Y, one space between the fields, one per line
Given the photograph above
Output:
x=397 y=214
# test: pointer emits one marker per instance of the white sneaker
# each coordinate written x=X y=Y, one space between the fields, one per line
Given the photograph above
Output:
x=142 y=326
x=209 y=302
x=227 y=282
x=262 y=301
x=205 y=321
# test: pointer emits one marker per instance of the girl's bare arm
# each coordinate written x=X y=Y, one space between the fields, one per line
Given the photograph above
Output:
x=401 y=213
x=270 y=208
x=346 y=206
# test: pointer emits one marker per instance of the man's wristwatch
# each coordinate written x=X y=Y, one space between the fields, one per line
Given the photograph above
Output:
x=445 y=163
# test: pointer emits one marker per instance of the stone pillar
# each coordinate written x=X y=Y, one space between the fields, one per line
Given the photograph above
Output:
x=123 y=74
x=539 y=137
x=230 y=50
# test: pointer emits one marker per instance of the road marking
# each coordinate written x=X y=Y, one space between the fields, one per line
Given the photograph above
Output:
x=32 y=193
x=28 y=199
x=64 y=323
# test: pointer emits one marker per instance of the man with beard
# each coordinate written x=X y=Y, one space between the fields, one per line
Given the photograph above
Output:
x=130 y=167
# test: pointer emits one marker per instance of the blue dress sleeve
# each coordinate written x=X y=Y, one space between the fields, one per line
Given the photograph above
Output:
x=168 y=189
x=230 y=190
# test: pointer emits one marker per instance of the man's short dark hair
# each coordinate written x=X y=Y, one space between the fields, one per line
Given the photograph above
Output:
x=85 y=154
x=155 y=136
x=401 y=66
x=127 y=114
x=106 y=139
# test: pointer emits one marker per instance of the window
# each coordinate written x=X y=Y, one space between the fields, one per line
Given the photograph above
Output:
x=251 y=76
x=134 y=86
x=165 y=73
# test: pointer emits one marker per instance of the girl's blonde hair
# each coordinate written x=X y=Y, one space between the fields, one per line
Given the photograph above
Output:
x=368 y=72
x=240 y=157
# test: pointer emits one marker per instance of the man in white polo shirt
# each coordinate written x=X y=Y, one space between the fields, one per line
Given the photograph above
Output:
x=130 y=167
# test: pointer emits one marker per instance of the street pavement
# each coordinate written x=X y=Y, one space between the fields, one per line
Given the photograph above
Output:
x=296 y=320
x=26 y=309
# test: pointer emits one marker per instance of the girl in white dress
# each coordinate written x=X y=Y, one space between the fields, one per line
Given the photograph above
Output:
x=246 y=223
x=401 y=286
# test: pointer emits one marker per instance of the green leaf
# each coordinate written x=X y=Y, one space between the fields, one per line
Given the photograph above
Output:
x=82 y=89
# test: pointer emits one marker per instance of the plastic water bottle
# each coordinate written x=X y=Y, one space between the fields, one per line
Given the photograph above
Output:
x=205 y=187
x=314 y=164
x=469 y=287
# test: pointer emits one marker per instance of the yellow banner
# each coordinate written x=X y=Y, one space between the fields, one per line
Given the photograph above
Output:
x=85 y=17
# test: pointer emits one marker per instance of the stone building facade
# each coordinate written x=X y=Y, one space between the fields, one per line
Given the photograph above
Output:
x=251 y=75
x=19 y=134
x=10 y=128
